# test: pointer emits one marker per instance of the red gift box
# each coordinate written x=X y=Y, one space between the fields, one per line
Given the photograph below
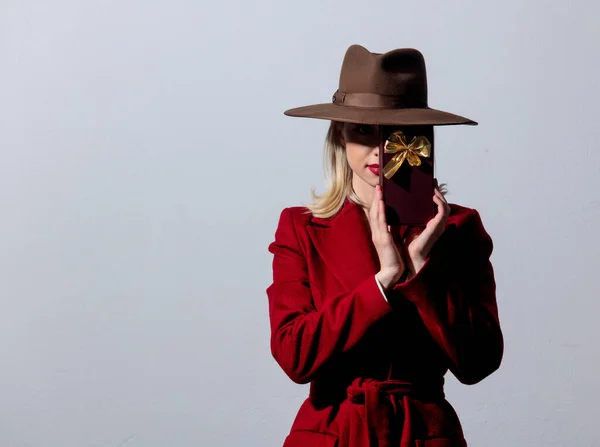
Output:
x=408 y=193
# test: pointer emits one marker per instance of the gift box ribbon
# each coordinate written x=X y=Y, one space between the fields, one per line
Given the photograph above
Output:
x=412 y=152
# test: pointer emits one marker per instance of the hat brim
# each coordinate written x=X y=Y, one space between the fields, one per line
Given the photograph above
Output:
x=364 y=115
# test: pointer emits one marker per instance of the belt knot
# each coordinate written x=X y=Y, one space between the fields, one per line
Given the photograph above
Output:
x=377 y=397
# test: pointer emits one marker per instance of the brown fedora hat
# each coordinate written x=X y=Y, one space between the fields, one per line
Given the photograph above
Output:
x=387 y=89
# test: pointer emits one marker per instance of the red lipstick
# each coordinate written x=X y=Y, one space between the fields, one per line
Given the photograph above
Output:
x=374 y=168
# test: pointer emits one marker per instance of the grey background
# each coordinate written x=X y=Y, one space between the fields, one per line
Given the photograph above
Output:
x=145 y=160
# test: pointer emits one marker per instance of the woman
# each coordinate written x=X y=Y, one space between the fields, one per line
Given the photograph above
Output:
x=373 y=316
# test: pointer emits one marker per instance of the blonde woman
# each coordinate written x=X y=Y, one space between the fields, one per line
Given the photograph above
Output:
x=373 y=316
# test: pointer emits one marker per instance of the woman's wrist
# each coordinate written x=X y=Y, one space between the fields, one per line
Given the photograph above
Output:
x=387 y=278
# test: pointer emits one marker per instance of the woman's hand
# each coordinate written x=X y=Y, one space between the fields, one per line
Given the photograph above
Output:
x=391 y=263
x=418 y=241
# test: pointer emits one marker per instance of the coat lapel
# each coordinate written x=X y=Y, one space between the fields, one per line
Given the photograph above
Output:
x=344 y=244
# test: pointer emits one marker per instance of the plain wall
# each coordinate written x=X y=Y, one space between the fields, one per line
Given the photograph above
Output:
x=145 y=159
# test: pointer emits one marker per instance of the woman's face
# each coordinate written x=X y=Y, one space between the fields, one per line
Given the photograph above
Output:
x=362 y=150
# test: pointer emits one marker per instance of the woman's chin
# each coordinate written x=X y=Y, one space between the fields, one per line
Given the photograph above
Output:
x=367 y=179
x=373 y=180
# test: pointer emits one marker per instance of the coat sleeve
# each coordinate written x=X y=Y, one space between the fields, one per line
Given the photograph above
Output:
x=304 y=338
x=455 y=295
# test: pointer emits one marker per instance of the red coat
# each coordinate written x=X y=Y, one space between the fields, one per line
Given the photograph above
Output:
x=376 y=367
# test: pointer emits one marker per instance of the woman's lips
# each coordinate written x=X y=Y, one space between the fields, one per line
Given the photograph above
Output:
x=374 y=169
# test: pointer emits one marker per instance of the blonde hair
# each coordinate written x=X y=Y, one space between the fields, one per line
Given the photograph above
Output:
x=338 y=176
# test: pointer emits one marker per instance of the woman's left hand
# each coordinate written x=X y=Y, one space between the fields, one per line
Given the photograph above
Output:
x=419 y=241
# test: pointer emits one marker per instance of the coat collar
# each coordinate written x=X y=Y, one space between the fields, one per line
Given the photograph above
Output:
x=345 y=245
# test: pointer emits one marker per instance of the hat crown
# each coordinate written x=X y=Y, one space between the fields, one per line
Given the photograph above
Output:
x=400 y=72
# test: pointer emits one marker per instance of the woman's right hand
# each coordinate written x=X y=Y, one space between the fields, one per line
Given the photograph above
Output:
x=391 y=263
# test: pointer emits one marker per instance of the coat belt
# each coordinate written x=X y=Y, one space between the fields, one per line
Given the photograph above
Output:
x=378 y=398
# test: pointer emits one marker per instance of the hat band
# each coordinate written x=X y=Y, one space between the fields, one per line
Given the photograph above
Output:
x=375 y=100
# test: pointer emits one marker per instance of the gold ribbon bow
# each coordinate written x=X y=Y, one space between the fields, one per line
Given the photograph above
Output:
x=413 y=151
